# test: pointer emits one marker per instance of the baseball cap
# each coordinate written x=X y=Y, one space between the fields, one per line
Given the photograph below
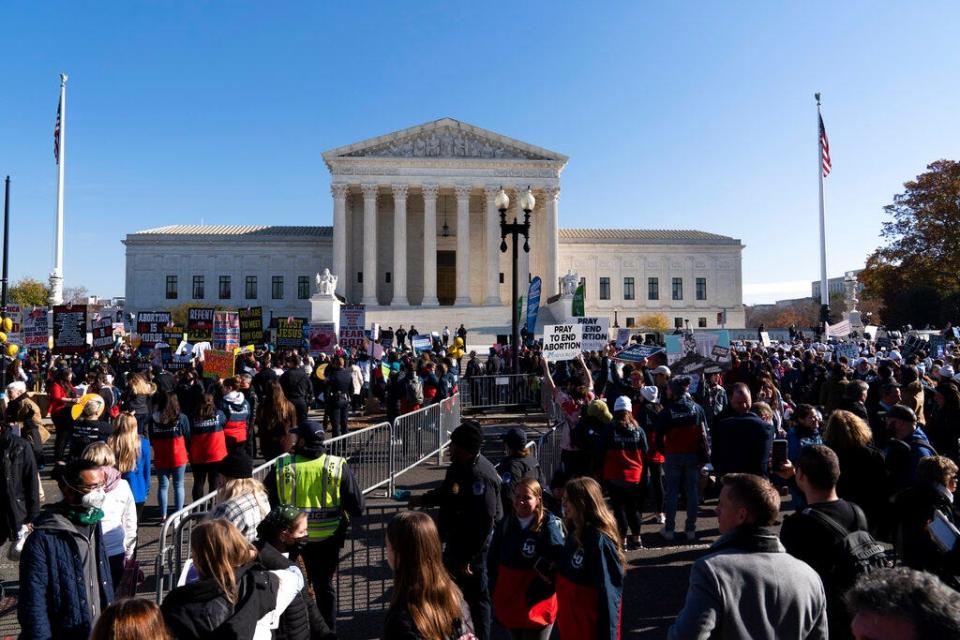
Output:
x=623 y=403
x=515 y=438
x=310 y=430
x=662 y=370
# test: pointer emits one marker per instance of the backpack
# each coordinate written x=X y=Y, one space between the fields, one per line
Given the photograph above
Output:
x=414 y=389
x=856 y=553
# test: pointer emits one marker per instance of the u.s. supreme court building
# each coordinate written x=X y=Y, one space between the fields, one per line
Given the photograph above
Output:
x=416 y=238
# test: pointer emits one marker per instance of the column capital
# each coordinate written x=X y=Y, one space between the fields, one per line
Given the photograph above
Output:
x=400 y=191
x=339 y=190
x=552 y=192
x=463 y=191
x=430 y=191
x=491 y=191
x=370 y=190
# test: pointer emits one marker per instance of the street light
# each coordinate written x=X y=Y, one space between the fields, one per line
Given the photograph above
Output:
x=515 y=229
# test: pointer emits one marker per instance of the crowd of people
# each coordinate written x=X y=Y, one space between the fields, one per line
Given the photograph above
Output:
x=865 y=450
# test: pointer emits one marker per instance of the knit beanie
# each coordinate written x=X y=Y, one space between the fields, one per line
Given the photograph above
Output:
x=599 y=409
x=468 y=436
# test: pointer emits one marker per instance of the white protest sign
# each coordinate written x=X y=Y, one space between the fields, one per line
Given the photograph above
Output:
x=839 y=330
x=623 y=336
x=596 y=332
x=562 y=341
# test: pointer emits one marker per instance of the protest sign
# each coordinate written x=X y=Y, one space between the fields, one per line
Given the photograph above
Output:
x=251 y=325
x=103 y=333
x=172 y=335
x=596 y=332
x=150 y=326
x=936 y=346
x=850 y=350
x=218 y=364
x=840 y=330
x=15 y=335
x=421 y=344
x=70 y=328
x=695 y=351
x=323 y=337
x=352 y=319
x=623 y=336
x=200 y=324
x=289 y=332
x=533 y=303
x=765 y=339
x=226 y=330
x=35 y=329
x=562 y=341
x=638 y=352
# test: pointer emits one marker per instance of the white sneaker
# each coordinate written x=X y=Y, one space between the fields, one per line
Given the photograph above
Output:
x=691 y=536
x=666 y=535
x=661 y=518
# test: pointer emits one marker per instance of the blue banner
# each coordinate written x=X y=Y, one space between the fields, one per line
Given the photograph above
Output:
x=533 y=304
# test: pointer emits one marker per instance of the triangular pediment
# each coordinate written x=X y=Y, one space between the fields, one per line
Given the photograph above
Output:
x=444 y=138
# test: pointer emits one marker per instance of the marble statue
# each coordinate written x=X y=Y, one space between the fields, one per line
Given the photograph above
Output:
x=568 y=284
x=326 y=283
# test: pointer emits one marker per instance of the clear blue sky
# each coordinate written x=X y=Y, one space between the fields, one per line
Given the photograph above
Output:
x=694 y=116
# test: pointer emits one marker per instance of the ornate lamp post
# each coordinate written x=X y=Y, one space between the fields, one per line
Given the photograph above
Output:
x=515 y=229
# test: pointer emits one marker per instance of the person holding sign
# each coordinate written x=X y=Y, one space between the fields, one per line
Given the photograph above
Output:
x=579 y=393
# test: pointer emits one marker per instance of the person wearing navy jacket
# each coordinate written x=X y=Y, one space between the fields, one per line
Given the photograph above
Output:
x=623 y=445
x=590 y=572
x=236 y=410
x=526 y=548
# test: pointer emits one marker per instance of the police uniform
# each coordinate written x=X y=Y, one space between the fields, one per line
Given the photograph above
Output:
x=326 y=490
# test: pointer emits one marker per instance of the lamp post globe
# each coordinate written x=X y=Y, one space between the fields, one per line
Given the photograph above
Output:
x=527 y=201
x=502 y=200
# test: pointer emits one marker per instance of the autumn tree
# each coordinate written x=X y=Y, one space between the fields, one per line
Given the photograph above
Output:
x=654 y=322
x=29 y=292
x=914 y=273
x=75 y=295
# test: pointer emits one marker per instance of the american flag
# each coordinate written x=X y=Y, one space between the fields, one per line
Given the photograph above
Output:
x=824 y=150
x=56 y=136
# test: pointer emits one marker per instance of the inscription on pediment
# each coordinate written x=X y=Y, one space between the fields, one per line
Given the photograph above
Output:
x=445 y=143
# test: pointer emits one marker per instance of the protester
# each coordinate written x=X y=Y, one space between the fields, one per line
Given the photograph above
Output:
x=908 y=444
x=426 y=603
x=321 y=484
x=863 y=472
x=624 y=445
x=470 y=506
x=241 y=500
x=208 y=446
x=945 y=426
x=137 y=399
x=19 y=486
x=236 y=412
x=517 y=464
x=338 y=389
x=903 y=604
x=276 y=418
x=742 y=442
x=235 y=597
x=297 y=387
x=64 y=573
x=131 y=619
x=87 y=426
x=62 y=398
x=23 y=410
x=281 y=536
x=579 y=393
x=747 y=586
x=646 y=410
x=589 y=576
x=169 y=430
x=119 y=524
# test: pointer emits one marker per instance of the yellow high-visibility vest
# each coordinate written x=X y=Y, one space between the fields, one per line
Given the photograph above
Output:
x=313 y=486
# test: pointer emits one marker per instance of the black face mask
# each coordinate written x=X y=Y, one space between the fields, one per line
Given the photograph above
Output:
x=298 y=544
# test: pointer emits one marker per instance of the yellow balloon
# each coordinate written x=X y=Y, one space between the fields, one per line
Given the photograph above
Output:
x=12 y=350
x=3 y=337
x=8 y=324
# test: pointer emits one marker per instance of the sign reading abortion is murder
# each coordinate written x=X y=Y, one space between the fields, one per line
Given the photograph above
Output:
x=562 y=341
x=596 y=332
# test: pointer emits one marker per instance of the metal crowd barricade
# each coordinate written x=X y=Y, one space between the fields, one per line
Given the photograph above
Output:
x=508 y=390
x=376 y=455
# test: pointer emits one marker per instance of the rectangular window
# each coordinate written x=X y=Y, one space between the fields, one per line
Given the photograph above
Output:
x=678 y=288
x=171 y=287
x=631 y=321
x=224 y=287
x=628 y=289
x=198 y=287
x=276 y=288
x=250 y=288
x=701 y=288
x=501 y=277
x=386 y=277
x=604 y=288
x=678 y=323
x=702 y=323
x=360 y=277
x=303 y=287
x=653 y=288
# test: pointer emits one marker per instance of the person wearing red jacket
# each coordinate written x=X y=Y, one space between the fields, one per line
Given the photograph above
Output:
x=208 y=446
x=236 y=410
x=645 y=410
x=623 y=446
x=169 y=430
x=62 y=398
x=526 y=547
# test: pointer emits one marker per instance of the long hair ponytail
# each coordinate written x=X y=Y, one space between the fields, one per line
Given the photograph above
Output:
x=590 y=510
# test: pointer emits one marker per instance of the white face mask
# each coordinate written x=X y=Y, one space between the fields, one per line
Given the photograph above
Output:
x=94 y=499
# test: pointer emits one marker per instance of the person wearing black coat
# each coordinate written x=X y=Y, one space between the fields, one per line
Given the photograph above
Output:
x=19 y=484
x=297 y=387
x=339 y=387
x=516 y=465
x=284 y=531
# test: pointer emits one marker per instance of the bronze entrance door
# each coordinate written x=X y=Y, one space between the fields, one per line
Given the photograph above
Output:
x=446 y=277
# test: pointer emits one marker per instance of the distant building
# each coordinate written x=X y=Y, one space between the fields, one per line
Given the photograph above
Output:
x=834 y=285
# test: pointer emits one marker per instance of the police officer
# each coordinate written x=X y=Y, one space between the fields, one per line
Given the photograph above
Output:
x=321 y=484
x=516 y=465
x=469 y=501
x=339 y=387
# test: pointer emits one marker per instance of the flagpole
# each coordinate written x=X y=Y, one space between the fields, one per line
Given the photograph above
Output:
x=56 y=278
x=824 y=293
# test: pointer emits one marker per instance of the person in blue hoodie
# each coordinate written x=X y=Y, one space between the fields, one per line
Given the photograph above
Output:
x=590 y=573
x=132 y=451
x=236 y=410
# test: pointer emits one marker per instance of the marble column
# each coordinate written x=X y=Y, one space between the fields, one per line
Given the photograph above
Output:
x=339 y=266
x=551 y=285
x=369 y=244
x=492 y=251
x=463 y=244
x=430 y=245
x=399 y=245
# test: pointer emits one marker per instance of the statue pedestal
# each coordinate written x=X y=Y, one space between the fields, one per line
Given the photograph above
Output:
x=562 y=309
x=856 y=323
x=324 y=308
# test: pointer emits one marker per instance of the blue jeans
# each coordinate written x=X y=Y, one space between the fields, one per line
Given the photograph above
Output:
x=163 y=480
x=683 y=469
